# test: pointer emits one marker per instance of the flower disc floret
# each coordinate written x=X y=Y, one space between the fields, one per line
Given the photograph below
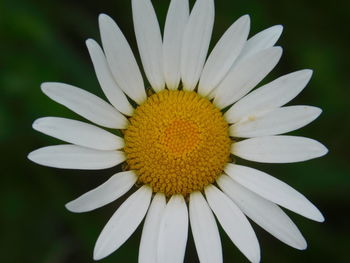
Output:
x=177 y=142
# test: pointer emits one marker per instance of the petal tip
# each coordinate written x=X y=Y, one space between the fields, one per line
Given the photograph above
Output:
x=70 y=207
x=31 y=157
x=90 y=42
x=302 y=245
x=278 y=28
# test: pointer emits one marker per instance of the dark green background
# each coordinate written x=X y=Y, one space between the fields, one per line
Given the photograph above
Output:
x=44 y=41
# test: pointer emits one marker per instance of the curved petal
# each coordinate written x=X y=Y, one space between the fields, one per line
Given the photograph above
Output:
x=235 y=224
x=262 y=40
x=123 y=223
x=85 y=104
x=224 y=55
x=175 y=24
x=173 y=231
x=204 y=229
x=149 y=238
x=278 y=121
x=79 y=133
x=149 y=42
x=274 y=190
x=270 y=96
x=69 y=156
x=264 y=213
x=121 y=60
x=111 y=190
x=196 y=42
x=278 y=149
x=109 y=86
x=245 y=76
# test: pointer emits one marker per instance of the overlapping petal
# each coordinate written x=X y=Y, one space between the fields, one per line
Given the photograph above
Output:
x=264 y=213
x=173 y=231
x=224 y=55
x=79 y=133
x=149 y=240
x=123 y=223
x=121 y=60
x=235 y=224
x=245 y=76
x=112 y=189
x=175 y=24
x=277 y=121
x=270 y=96
x=195 y=42
x=204 y=230
x=278 y=149
x=109 y=86
x=69 y=156
x=149 y=42
x=85 y=104
x=274 y=190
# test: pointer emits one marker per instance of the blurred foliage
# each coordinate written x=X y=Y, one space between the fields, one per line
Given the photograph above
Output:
x=44 y=41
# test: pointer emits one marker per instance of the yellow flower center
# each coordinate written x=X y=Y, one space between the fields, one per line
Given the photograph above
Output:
x=177 y=142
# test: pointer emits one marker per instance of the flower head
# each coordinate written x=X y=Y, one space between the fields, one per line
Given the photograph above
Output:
x=178 y=144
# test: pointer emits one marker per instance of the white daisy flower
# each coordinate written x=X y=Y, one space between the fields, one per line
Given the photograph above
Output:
x=178 y=142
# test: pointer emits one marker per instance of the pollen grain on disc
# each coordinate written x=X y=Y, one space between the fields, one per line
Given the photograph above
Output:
x=177 y=142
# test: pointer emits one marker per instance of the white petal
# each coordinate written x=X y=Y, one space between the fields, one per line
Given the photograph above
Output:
x=278 y=149
x=223 y=55
x=69 y=156
x=245 y=76
x=235 y=224
x=109 y=86
x=79 y=133
x=149 y=239
x=173 y=231
x=196 y=42
x=264 y=213
x=111 y=190
x=277 y=121
x=123 y=223
x=270 y=96
x=121 y=60
x=204 y=229
x=85 y=104
x=149 y=41
x=274 y=190
x=175 y=24
x=264 y=39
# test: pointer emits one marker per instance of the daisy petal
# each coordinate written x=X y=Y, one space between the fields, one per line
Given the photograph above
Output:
x=263 y=40
x=274 y=190
x=79 y=133
x=278 y=121
x=121 y=60
x=264 y=213
x=76 y=157
x=149 y=238
x=123 y=223
x=175 y=24
x=223 y=55
x=111 y=190
x=85 y=104
x=245 y=76
x=110 y=88
x=149 y=41
x=204 y=229
x=235 y=224
x=270 y=96
x=278 y=149
x=196 y=41
x=173 y=231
